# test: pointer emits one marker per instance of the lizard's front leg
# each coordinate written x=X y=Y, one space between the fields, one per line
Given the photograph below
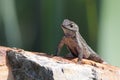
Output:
x=60 y=45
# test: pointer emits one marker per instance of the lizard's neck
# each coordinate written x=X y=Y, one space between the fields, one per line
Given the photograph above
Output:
x=78 y=39
x=70 y=34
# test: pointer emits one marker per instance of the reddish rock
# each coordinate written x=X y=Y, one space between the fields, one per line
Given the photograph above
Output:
x=25 y=65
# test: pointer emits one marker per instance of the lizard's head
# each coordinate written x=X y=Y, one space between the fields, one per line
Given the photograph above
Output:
x=69 y=27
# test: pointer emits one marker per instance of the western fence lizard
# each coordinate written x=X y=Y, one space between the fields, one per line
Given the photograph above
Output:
x=75 y=43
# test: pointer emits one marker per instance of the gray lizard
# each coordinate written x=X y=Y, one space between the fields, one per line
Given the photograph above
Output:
x=75 y=43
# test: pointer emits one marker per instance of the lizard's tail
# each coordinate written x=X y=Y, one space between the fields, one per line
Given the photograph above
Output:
x=95 y=58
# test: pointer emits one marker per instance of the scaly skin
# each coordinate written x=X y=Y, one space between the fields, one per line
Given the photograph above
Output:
x=75 y=43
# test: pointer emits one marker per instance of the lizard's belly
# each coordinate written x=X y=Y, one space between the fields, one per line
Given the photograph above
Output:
x=72 y=46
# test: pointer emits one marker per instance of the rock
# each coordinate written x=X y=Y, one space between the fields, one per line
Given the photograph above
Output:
x=24 y=65
x=5 y=69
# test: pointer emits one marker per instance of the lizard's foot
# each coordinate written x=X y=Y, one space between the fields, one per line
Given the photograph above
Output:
x=79 y=61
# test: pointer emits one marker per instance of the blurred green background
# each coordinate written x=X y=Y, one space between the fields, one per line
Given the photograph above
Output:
x=35 y=24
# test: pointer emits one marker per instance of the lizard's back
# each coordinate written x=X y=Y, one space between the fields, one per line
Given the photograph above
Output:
x=87 y=51
x=75 y=43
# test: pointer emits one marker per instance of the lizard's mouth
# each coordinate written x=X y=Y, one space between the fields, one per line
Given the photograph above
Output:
x=64 y=27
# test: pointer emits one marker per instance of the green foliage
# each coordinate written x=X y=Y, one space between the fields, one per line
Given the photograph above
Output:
x=35 y=25
x=109 y=40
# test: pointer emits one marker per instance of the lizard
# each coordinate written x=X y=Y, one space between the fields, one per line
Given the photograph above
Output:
x=75 y=43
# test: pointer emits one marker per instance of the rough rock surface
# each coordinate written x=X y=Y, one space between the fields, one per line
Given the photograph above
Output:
x=24 y=65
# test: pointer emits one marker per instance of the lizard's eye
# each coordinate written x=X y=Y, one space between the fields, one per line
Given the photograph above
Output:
x=71 y=25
